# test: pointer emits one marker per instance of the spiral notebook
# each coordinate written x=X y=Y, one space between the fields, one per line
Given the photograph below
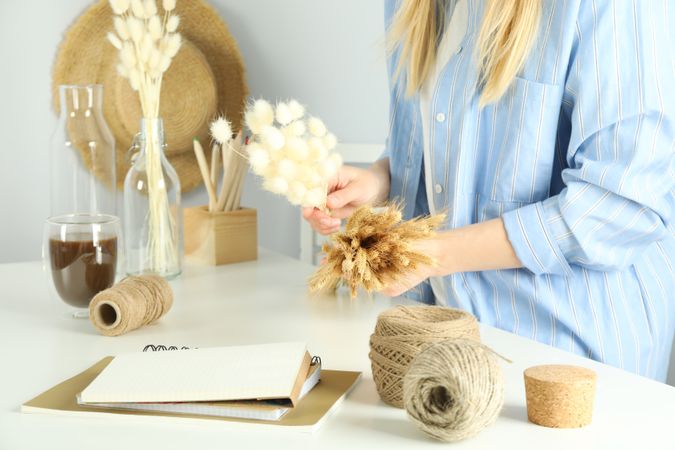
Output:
x=269 y=388
x=247 y=372
x=245 y=409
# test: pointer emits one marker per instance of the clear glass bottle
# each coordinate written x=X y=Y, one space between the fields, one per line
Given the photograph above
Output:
x=153 y=217
x=82 y=160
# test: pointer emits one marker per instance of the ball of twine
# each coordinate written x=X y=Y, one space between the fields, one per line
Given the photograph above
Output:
x=401 y=333
x=130 y=304
x=454 y=389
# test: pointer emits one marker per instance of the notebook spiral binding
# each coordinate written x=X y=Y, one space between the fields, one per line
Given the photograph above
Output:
x=159 y=348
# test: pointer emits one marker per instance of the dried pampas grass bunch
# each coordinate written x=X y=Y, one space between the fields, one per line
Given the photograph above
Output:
x=147 y=41
x=374 y=251
x=294 y=156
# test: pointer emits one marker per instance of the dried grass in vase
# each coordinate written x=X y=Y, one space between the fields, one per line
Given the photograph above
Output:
x=147 y=40
x=375 y=250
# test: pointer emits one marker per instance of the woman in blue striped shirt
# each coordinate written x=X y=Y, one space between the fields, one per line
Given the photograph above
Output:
x=546 y=129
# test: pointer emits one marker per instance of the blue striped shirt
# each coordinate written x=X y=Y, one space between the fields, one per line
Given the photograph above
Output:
x=578 y=159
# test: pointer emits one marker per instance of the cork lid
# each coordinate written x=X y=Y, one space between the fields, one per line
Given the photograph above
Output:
x=560 y=396
x=557 y=373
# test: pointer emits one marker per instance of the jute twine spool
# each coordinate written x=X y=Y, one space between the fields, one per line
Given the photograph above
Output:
x=130 y=304
x=454 y=389
x=401 y=333
x=560 y=396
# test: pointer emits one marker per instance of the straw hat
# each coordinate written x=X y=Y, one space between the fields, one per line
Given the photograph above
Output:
x=206 y=78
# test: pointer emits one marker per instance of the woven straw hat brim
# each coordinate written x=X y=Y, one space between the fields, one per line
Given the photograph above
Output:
x=206 y=78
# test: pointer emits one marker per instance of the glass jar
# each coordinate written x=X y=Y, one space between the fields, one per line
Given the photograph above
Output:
x=82 y=160
x=80 y=255
x=153 y=217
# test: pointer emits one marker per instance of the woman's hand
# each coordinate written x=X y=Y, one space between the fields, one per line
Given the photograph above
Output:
x=431 y=247
x=350 y=188
x=473 y=248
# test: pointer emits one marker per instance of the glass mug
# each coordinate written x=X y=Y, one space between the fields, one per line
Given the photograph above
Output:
x=80 y=251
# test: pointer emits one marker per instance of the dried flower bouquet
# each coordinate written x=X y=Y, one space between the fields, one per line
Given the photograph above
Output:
x=375 y=250
x=147 y=42
x=294 y=156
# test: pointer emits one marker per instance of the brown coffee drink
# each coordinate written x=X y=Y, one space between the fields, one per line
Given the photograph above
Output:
x=81 y=268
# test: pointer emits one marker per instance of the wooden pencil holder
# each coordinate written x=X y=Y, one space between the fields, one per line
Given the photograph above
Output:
x=221 y=237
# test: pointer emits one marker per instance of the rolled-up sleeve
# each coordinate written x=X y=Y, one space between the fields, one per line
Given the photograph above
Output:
x=619 y=194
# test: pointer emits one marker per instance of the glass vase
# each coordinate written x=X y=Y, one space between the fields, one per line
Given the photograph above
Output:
x=82 y=157
x=153 y=218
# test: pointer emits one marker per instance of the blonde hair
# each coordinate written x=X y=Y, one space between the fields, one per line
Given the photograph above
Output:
x=506 y=36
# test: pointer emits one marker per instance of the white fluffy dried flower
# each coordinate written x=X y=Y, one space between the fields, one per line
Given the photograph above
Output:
x=172 y=23
x=164 y=63
x=297 y=110
x=258 y=158
x=221 y=130
x=150 y=8
x=121 y=28
x=295 y=128
x=292 y=162
x=278 y=185
x=114 y=40
x=154 y=60
x=304 y=174
x=296 y=192
x=155 y=27
x=328 y=168
x=283 y=114
x=317 y=151
x=287 y=169
x=297 y=149
x=134 y=78
x=253 y=122
x=135 y=27
x=173 y=44
x=314 y=197
x=119 y=6
x=316 y=127
x=145 y=48
x=122 y=70
x=263 y=112
x=330 y=141
x=273 y=138
x=168 y=5
x=128 y=56
x=138 y=9
x=314 y=179
x=336 y=158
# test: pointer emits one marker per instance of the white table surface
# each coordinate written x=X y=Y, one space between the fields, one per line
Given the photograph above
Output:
x=265 y=301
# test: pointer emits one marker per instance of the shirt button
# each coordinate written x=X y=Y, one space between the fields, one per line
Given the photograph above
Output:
x=438 y=188
x=440 y=117
x=459 y=50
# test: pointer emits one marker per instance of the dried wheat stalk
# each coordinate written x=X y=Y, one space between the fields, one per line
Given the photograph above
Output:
x=374 y=251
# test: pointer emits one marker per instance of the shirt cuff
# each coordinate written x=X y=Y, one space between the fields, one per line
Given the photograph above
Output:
x=534 y=241
x=385 y=154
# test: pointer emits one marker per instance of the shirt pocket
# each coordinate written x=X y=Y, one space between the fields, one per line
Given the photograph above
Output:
x=526 y=124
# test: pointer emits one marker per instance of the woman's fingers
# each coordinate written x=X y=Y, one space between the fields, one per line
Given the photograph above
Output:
x=343 y=213
x=320 y=221
x=343 y=197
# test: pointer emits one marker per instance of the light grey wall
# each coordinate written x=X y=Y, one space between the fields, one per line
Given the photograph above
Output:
x=328 y=54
